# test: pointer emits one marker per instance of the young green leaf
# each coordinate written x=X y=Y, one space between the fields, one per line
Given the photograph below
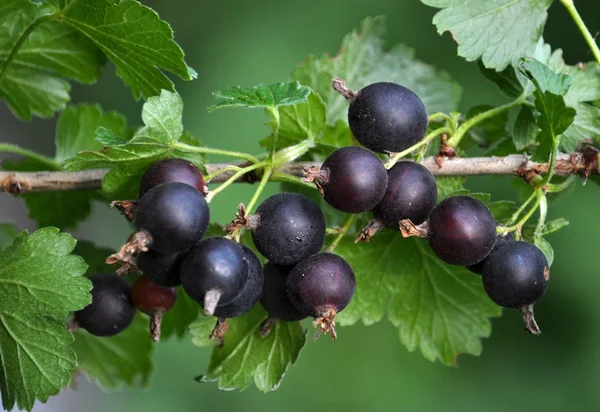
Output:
x=555 y=117
x=480 y=28
x=546 y=248
x=134 y=39
x=448 y=185
x=262 y=96
x=554 y=225
x=524 y=130
x=41 y=283
x=440 y=309
x=119 y=361
x=159 y=139
x=362 y=60
x=297 y=122
x=33 y=83
x=76 y=129
x=245 y=356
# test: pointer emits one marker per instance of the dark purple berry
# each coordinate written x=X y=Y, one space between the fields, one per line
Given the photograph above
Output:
x=275 y=298
x=477 y=268
x=352 y=179
x=516 y=274
x=411 y=194
x=111 y=310
x=462 y=230
x=321 y=286
x=213 y=272
x=149 y=297
x=250 y=292
x=387 y=117
x=160 y=269
x=174 y=215
x=290 y=228
x=172 y=170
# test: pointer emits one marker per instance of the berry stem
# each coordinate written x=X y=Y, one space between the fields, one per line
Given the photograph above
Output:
x=266 y=326
x=261 y=186
x=232 y=179
x=211 y=301
x=570 y=6
x=537 y=198
x=339 y=86
x=425 y=141
x=462 y=130
x=209 y=150
x=529 y=322
x=155 y=322
x=347 y=225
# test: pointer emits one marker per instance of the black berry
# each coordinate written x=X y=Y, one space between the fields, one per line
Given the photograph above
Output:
x=321 y=286
x=515 y=274
x=174 y=215
x=111 y=310
x=250 y=292
x=172 y=170
x=411 y=194
x=290 y=228
x=213 y=272
x=275 y=298
x=462 y=230
x=352 y=179
x=387 y=117
x=160 y=269
x=477 y=268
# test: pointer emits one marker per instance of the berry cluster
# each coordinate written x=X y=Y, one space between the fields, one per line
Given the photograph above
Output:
x=388 y=118
x=288 y=229
x=224 y=277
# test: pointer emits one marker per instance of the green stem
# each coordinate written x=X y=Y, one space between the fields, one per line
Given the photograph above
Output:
x=48 y=161
x=275 y=112
x=288 y=178
x=538 y=198
x=347 y=225
x=454 y=141
x=232 y=179
x=221 y=171
x=559 y=187
x=19 y=43
x=516 y=215
x=570 y=6
x=263 y=182
x=209 y=150
x=397 y=156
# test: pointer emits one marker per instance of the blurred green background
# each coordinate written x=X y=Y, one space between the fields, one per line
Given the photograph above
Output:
x=367 y=369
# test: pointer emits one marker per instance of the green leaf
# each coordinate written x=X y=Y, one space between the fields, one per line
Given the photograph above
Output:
x=586 y=125
x=119 y=361
x=554 y=225
x=134 y=39
x=555 y=117
x=159 y=139
x=8 y=233
x=34 y=82
x=177 y=320
x=499 y=32
x=524 y=130
x=245 y=357
x=448 y=185
x=262 y=96
x=440 y=309
x=362 y=60
x=506 y=80
x=586 y=84
x=41 y=282
x=76 y=129
x=94 y=256
x=502 y=210
x=490 y=131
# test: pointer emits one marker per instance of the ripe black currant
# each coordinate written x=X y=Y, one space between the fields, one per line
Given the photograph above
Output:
x=250 y=292
x=387 y=117
x=411 y=194
x=172 y=170
x=111 y=310
x=352 y=179
x=289 y=227
x=213 y=272
x=477 y=268
x=160 y=269
x=515 y=274
x=153 y=300
x=321 y=286
x=462 y=230
x=174 y=215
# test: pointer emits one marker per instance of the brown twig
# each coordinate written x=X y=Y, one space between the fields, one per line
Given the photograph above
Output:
x=567 y=164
